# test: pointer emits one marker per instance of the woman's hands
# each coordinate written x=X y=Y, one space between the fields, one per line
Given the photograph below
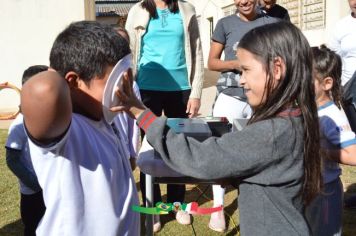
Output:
x=129 y=103
x=193 y=107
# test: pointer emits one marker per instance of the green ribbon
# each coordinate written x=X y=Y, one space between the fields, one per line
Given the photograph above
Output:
x=164 y=208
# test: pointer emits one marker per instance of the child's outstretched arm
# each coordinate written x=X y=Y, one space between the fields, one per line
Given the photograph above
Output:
x=342 y=138
x=46 y=106
x=346 y=156
x=235 y=154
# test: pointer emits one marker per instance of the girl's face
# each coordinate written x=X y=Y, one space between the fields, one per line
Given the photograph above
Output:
x=246 y=7
x=254 y=77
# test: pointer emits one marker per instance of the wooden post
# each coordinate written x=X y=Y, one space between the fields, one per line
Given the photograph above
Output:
x=89 y=10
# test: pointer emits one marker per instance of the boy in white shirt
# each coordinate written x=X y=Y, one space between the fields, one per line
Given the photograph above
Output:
x=87 y=183
x=128 y=130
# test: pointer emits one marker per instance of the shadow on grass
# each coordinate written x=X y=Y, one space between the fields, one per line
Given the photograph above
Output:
x=230 y=210
x=234 y=231
x=13 y=229
x=351 y=189
x=202 y=193
x=349 y=213
x=350 y=197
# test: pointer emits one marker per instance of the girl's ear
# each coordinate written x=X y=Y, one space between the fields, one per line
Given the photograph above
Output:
x=278 y=68
x=72 y=79
x=328 y=83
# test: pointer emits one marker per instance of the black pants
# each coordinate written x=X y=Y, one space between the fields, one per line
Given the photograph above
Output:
x=174 y=105
x=32 y=210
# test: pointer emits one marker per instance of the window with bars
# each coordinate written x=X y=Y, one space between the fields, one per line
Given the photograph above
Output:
x=306 y=14
x=211 y=25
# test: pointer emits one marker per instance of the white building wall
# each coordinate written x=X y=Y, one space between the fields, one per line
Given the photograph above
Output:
x=206 y=9
x=28 y=29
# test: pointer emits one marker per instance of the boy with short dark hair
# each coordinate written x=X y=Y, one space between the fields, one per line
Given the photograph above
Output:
x=86 y=179
x=271 y=8
x=18 y=160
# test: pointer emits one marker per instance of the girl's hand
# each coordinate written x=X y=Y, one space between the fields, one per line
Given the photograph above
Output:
x=128 y=100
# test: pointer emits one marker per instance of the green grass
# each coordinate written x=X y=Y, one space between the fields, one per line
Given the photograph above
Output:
x=10 y=223
x=203 y=195
x=349 y=218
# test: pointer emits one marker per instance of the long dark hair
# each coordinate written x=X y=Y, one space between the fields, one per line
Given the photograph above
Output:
x=287 y=42
x=328 y=64
x=150 y=6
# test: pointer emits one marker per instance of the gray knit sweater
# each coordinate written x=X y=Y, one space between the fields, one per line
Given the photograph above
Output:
x=267 y=157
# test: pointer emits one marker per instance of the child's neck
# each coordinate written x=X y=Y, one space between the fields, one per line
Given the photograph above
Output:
x=161 y=4
x=85 y=105
x=323 y=100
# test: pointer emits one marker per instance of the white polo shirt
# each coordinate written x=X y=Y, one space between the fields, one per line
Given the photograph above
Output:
x=87 y=183
x=336 y=133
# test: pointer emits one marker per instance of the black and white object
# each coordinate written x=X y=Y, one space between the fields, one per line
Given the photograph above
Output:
x=110 y=98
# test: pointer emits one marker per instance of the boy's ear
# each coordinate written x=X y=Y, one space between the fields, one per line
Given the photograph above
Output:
x=72 y=79
x=328 y=83
x=278 y=68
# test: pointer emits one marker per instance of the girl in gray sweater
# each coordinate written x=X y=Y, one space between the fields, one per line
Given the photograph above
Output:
x=275 y=157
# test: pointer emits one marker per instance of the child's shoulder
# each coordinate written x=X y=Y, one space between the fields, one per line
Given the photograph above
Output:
x=17 y=126
x=279 y=126
x=17 y=137
x=330 y=116
x=86 y=125
x=17 y=122
x=82 y=132
x=331 y=110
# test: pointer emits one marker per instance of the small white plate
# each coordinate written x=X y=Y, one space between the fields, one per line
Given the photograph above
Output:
x=110 y=98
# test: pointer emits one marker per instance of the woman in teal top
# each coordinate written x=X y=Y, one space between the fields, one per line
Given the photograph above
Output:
x=168 y=65
x=164 y=32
